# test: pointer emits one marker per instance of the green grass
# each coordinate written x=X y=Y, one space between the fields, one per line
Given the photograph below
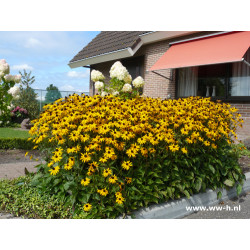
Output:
x=13 y=133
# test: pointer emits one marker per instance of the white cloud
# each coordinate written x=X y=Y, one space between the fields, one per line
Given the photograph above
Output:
x=21 y=67
x=75 y=74
x=32 y=42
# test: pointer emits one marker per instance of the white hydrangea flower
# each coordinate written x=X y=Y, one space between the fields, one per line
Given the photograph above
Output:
x=14 y=91
x=1 y=74
x=96 y=76
x=116 y=65
x=17 y=78
x=127 y=87
x=138 y=82
x=2 y=61
x=128 y=79
x=9 y=78
x=4 y=67
x=99 y=85
x=11 y=107
x=16 y=97
x=115 y=93
x=104 y=93
x=118 y=71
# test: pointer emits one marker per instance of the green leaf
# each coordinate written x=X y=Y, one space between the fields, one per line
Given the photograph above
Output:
x=57 y=181
x=228 y=183
x=238 y=189
x=186 y=193
x=219 y=195
x=211 y=168
x=67 y=185
x=169 y=191
x=198 y=185
x=236 y=177
x=85 y=198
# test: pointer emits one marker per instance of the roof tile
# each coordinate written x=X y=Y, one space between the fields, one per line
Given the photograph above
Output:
x=108 y=41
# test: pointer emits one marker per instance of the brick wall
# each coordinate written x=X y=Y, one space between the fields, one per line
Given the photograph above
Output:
x=243 y=109
x=155 y=85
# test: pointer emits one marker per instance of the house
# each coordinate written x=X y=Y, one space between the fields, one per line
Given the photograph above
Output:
x=177 y=63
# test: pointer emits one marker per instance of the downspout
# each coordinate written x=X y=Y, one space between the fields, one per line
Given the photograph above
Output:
x=93 y=86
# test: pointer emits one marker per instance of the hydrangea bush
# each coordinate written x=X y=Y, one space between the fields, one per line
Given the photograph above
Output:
x=120 y=83
x=107 y=156
x=7 y=91
x=18 y=114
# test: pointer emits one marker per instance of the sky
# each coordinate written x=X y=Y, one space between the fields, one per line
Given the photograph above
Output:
x=47 y=54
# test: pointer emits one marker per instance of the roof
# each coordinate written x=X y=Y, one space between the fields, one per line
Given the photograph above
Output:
x=109 y=41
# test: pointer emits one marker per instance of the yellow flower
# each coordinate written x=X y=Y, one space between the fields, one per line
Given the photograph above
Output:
x=103 y=159
x=85 y=182
x=103 y=192
x=113 y=179
x=50 y=164
x=107 y=172
x=132 y=152
x=174 y=148
x=31 y=157
x=26 y=154
x=85 y=157
x=54 y=171
x=184 y=150
x=128 y=179
x=151 y=150
x=118 y=194
x=127 y=164
x=87 y=207
x=56 y=158
x=120 y=200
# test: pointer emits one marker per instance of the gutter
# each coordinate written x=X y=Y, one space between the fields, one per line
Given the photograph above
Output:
x=122 y=53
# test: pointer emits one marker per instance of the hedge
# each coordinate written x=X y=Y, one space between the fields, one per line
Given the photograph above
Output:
x=16 y=143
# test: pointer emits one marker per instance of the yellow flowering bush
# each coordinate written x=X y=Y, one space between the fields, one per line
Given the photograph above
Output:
x=106 y=156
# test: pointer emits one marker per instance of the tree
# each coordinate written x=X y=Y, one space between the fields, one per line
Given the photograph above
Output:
x=26 y=78
x=27 y=97
x=52 y=94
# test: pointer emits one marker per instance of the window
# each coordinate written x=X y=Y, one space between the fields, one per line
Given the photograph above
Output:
x=239 y=81
x=222 y=81
x=135 y=67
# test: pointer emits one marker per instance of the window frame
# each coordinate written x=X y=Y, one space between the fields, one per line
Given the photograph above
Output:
x=227 y=81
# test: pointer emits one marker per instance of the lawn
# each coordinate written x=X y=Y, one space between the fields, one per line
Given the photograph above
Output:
x=13 y=133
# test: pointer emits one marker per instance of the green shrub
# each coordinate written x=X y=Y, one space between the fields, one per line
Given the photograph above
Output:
x=27 y=100
x=110 y=156
x=18 y=198
x=16 y=143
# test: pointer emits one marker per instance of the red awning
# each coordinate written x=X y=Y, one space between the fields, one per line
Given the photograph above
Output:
x=224 y=48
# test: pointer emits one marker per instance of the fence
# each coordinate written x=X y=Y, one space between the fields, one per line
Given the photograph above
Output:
x=44 y=97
